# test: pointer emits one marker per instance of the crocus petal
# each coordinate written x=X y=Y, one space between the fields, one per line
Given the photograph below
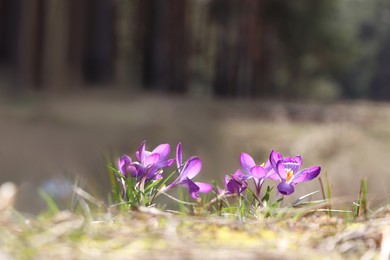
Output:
x=151 y=159
x=236 y=186
x=140 y=154
x=236 y=183
x=136 y=170
x=292 y=163
x=285 y=188
x=123 y=162
x=163 y=150
x=240 y=175
x=204 y=187
x=158 y=176
x=233 y=187
x=226 y=180
x=191 y=168
x=306 y=174
x=192 y=188
x=298 y=159
x=151 y=174
x=271 y=174
x=133 y=171
x=267 y=166
x=165 y=164
x=179 y=155
x=280 y=170
x=274 y=157
x=258 y=172
x=247 y=162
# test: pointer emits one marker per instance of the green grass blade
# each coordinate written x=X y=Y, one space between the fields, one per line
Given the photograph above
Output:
x=304 y=197
x=363 y=198
x=53 y=208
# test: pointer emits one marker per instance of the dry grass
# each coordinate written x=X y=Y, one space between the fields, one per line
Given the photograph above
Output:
x=70 y=134
x=97 y=231
x=153 y=234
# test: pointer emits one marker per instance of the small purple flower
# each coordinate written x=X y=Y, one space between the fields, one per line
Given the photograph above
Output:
x=149 y=165
x=158 y=158
x=151 y=162
x=187 y=172
x=236 y=184
x=257 y=172
x=287 y=169
x=126 y=167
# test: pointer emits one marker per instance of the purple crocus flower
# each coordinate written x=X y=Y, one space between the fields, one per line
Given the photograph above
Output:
x=289 y=173
x=149 y=165
x=126 y=167
x=151 y=162
x=187 y=172
x=158 y=157
x=257 y=172
x=236 y=184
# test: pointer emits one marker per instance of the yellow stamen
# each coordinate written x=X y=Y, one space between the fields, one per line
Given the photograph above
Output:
x=289 y=174
x=262 y=165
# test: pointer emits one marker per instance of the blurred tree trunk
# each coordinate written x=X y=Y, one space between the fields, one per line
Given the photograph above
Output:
x=165 y=59
x=9 y=34
x=238 y=48
x=55 y=39
x=3 y=36
x=248 y=48
x=380 y=85
x=126 y=61
x=29 y=44
x=100 y=44
x=76 y=44
x=253 y=73
x=225 y=78
x=177 y=38
x=242 y=66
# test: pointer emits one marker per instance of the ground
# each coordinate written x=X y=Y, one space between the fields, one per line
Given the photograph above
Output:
x=48 y=140
x=150 y=234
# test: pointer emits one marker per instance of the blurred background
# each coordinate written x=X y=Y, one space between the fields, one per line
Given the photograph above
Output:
x=83 y=80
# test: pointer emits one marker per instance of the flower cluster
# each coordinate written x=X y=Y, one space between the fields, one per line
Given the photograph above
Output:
x=145 y=175
x=284 y=169
x=149 y=165
x=148 y=170
x=187 y=171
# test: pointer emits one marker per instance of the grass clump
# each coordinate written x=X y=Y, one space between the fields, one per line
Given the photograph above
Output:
x=239 y=220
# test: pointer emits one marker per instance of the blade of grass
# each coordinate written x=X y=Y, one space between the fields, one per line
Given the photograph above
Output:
x=304 y=197
x=305 y=203
x=53 y=208
x=112 y=174
x=362 y=210
x=85 y=195
x=329 y=193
